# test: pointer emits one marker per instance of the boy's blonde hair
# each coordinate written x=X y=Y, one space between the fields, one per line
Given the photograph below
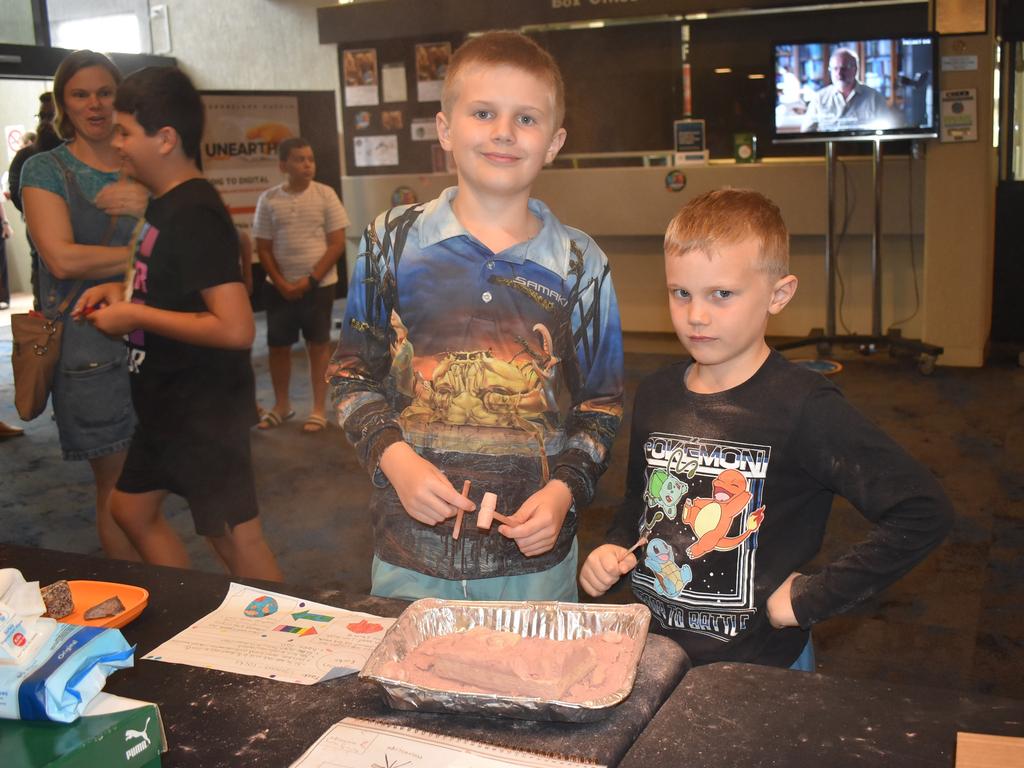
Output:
x=510 y=49
x=726 y=217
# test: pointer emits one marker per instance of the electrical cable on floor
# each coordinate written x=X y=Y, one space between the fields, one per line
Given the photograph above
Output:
x=849 y=205
x=910 y=237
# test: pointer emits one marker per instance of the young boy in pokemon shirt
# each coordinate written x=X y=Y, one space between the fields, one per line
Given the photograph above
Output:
x=752 y=449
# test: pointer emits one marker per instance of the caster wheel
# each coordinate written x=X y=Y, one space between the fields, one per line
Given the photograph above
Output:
x=926 y=365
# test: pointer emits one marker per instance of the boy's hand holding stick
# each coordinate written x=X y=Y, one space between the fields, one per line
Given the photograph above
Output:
x=425 y=492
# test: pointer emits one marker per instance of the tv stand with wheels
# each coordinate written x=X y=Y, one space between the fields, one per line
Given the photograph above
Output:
x=823 y=339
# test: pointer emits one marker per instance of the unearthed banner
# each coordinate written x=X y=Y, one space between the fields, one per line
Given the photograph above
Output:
x=240 y=147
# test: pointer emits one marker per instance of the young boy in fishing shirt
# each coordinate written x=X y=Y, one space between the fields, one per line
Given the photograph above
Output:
x=735 y=457
x=466 y=317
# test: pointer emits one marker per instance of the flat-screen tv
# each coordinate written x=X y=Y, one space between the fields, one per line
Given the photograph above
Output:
x=847 y=90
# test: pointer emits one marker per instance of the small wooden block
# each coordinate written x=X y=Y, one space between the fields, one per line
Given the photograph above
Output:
x=981 y=750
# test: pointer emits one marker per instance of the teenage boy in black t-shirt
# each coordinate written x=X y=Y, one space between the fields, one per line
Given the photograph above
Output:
x=189 y=326
x=735 y=455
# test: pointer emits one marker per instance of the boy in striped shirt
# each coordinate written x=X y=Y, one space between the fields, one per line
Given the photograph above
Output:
x=300 y=236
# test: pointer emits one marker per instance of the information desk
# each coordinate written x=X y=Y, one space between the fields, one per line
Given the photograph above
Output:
x=219 y=719
x=741 y=714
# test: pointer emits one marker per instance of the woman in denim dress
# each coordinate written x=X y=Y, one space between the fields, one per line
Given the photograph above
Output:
x=83 y=237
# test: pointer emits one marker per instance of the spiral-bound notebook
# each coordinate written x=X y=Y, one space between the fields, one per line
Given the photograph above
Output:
x=355 y=743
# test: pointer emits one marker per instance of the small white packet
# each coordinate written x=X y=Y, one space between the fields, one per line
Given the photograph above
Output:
x=22 y=630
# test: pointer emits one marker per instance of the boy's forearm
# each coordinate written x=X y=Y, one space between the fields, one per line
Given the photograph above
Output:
x=590 y=431
x=265 y=253
x=203 y=329
x=910 y=511
x=370 y=425
x=903 y=538
x=332 y=254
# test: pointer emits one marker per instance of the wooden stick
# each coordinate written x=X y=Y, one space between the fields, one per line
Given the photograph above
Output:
x=460 y=512
x=640 y=542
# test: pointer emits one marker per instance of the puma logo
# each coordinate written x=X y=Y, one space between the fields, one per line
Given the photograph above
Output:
x=131 y=733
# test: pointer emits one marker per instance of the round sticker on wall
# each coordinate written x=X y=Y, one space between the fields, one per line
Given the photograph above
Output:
x=675 y=180
x=403 y=196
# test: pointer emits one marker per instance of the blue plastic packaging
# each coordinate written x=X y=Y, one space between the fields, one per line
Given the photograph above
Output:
x=63 y=677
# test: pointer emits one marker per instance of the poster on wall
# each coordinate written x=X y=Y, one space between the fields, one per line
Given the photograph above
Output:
x=392 y=83
x=431 y=66
x=361 y=77
x=391 y=120
x=959 y=116
x=423 y=129
x=373 y=151
x=240 y=142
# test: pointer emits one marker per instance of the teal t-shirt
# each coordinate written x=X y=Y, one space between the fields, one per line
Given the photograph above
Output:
x=42 y=171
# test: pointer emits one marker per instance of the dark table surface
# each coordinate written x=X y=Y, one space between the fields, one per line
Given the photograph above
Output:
x=214 y=718
x=741 y=714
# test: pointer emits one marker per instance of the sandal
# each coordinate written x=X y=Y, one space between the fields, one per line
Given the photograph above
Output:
x=272 y=419
x=314 y=423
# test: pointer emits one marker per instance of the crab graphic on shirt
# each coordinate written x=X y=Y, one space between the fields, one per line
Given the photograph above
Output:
x=710 y=519
x=669 y=578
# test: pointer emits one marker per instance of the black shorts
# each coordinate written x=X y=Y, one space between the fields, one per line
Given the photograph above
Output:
x=214 y=476
x=311 y=314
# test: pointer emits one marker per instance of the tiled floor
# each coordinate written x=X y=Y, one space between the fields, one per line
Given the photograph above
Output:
x=956 y=622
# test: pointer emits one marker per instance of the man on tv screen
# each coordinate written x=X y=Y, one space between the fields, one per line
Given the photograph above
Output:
x=847 y=102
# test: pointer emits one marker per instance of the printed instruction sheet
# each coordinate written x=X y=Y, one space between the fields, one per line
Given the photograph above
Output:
x=355 y=743
x=266 y=634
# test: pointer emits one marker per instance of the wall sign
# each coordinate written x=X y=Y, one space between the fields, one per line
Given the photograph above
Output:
x=689 y=135
x=13 y=136
x=403 y=196
x=959 y=115
x=675 y=180
x=959 y=63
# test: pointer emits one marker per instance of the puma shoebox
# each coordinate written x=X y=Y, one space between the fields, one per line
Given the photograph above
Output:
x=113 y=732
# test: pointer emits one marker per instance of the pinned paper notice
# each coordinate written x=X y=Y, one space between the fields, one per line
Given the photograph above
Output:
x=959 y=115
x=266 y=634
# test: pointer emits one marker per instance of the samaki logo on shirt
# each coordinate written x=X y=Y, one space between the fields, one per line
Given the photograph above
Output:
x=542 y=294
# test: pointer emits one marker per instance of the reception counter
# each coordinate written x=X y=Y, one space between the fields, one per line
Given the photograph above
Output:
x=627 y=209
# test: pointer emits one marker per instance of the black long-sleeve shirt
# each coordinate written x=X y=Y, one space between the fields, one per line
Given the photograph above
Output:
x=733 y=491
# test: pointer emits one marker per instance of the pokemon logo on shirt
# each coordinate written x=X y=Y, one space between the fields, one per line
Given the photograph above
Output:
x=703 y=508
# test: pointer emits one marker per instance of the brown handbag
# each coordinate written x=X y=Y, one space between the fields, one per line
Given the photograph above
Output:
x=34 y=357
x=36 y=348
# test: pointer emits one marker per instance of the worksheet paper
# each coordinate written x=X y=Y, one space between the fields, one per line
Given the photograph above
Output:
x=266 y=634
x=355 y=743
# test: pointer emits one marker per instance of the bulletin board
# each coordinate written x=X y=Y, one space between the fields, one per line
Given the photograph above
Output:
x=621 y=103
x=391 y=93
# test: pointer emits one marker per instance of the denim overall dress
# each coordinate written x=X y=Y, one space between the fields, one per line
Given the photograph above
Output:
x=91 y=391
